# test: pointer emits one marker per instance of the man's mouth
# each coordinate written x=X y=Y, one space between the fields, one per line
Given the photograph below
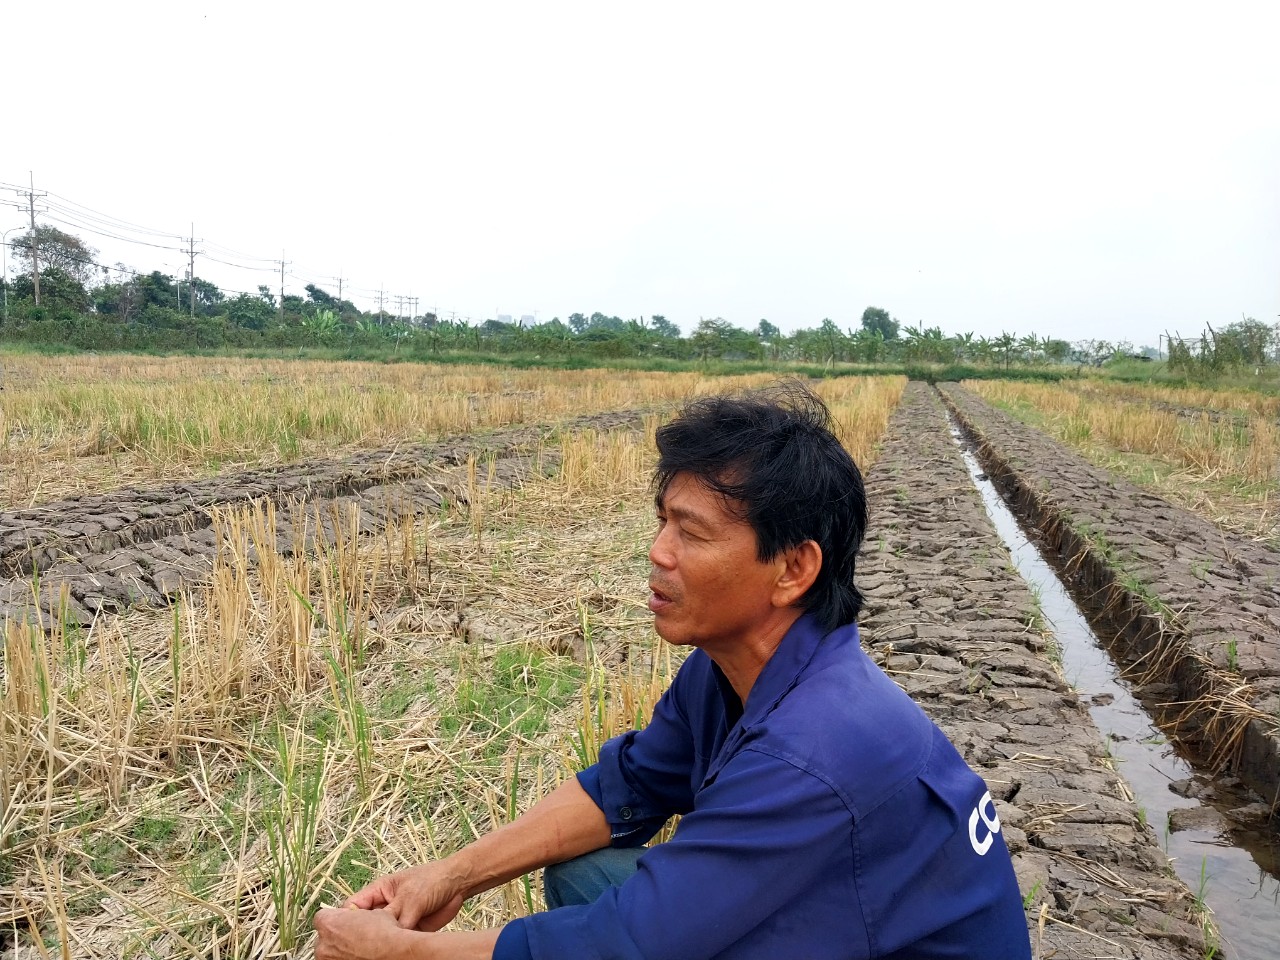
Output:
x=658 y=598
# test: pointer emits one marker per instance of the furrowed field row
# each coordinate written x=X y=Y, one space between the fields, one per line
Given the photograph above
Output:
x=1221 y=464
x=110 y=551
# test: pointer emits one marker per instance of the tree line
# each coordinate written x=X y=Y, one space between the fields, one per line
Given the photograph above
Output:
x=85 y=304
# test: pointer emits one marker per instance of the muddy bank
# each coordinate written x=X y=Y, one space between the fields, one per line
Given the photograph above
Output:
x=1195 y=609
x=142 y=546
x=953 y=623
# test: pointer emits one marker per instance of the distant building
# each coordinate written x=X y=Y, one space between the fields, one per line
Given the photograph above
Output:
x=527 y=320
x=504 y=318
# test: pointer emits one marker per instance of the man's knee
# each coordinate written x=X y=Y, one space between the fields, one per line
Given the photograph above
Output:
x=582 y=879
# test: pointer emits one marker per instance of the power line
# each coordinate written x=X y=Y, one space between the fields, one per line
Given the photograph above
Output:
x=123 y=223
x=112 y=236
x=240 y=266
x=109 y=222
x=238 y=254
x=78 y=216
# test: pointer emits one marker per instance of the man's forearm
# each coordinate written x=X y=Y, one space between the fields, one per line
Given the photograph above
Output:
x=566 y=823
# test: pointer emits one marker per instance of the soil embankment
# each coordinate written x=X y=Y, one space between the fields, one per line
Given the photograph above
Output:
x=954 y=624
x=105 y=553
x=1195 y=610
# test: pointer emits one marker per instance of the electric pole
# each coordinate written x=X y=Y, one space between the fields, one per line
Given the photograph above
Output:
x=379 y=306
x=35 y=247
x=191 y=267
x=283 y=264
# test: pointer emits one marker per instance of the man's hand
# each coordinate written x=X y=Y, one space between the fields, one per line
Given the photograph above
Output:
x=425 y=897
x=349 y=934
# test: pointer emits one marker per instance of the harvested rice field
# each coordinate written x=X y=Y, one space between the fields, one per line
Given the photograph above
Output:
x=242 y=675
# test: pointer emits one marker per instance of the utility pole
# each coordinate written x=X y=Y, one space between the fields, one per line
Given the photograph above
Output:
x=191 y=267
x=283 y=264
x=35 y=247
x=379 y=306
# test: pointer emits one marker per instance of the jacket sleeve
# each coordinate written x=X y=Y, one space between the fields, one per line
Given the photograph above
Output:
x=764 y=832
x=644 y=777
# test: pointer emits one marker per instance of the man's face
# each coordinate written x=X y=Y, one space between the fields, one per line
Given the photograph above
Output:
x=707 y=586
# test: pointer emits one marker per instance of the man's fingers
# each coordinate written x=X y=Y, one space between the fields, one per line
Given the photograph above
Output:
x=367 y=898
x=406 y=911
x=430 y=923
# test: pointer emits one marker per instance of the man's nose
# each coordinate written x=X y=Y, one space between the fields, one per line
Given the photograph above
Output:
x=660 y=553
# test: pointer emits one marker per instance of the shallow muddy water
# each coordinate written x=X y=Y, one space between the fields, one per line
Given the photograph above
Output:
x=1235 y=872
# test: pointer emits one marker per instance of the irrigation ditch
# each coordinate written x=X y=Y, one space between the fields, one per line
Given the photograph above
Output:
x=76 y=559
x=1189 y=605
x=1124 y=556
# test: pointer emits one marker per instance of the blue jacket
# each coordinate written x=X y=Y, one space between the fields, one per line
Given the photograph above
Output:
x=830 y=819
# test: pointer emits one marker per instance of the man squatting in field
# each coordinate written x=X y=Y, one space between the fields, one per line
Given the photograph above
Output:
x=823 y=814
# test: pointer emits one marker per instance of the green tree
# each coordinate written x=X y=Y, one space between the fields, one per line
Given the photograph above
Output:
x=711 y=337
x=1004 y=347
x=928 y=344
x=57 y=250
x=1092 y=352
x=250 y=312
x=767 y=331
x=57 y=289
x=1029 y=348
x=1247 y=342
x=121 y=301
x=1057 y=351
x=833 y=340
x=208 y=297
x=321 y=298
x=599 y=321
x=963 y=346
x=875 y=318
x=868 y=345
x=663 y=327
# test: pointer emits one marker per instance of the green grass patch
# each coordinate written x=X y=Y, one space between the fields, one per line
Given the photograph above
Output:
x=511 y=696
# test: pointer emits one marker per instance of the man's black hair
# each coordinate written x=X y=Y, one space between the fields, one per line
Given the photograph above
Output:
x=774 y=452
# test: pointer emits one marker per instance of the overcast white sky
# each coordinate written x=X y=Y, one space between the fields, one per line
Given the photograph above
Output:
x=1106 y=170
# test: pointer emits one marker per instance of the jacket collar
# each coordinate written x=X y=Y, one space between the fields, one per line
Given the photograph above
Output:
x=794 y=654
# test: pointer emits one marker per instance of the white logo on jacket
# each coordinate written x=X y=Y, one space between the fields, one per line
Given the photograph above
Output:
x=992 y=822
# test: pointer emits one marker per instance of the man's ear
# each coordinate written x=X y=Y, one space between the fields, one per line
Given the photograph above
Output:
x=800 y=568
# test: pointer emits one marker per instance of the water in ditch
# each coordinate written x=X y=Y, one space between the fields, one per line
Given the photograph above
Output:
x=1235 y=872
